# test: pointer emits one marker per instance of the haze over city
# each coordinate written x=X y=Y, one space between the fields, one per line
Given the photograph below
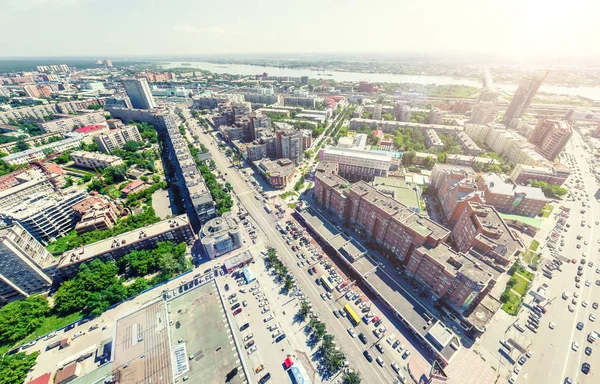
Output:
x=187 y=27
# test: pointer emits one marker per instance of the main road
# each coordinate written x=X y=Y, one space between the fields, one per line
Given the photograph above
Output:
x=554 y=360
x=267 y=222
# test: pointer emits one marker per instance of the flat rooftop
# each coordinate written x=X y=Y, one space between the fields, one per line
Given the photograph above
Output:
x=206 y=334
x=358 y=153
x=80 y=255
x=141 y=350
x=399 y=190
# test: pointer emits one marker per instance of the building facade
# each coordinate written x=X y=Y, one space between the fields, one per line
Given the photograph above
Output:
x=550 y=136
x=510 y=198
x=68 y=124
x=221 y=235
x=139 y=93
x=522 y=98
x=356 y=164
x=522 y=174
x=95 y=160
x=116 y=138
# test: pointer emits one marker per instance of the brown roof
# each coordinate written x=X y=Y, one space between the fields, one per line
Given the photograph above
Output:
x=54 y=168
x=46 y=378
x=66 y=373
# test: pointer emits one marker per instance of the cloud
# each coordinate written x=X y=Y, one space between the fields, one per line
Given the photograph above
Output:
x=215 y=30
x=185 y=28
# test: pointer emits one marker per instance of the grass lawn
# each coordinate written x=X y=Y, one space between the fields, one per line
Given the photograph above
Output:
x=521 y=286
x=512 y=305
x=546 y=211
x=422 y=203
x=534 y=245
x=52 y=323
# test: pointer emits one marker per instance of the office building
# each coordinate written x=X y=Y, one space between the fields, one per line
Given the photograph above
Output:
x=68 y=124
x=522 y=174
x=452 y=184
x=139 y=93
x=356 y=164
x=176 y=230
x=482 y=232
x=46 y=217
x=289 y=144
x=95 y=160
x=277 y=172
x=483 y=113
x=522 y=98
x=72 y=140
x=221 y=235
x=116 y=138
x=509 y=198
x=550 y=136
x=22 y=263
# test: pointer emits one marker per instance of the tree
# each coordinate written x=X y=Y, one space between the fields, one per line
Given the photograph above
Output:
x=408 y=157
x=19 y=318
x=352 y=378
x=115 y=174
x=288 y=284
x=21 y=145
x=494 y=168
x=304 y=309
x=429 y=162
x=63 y=158
x=14 y=368
x=131 y=146
x=320 y=330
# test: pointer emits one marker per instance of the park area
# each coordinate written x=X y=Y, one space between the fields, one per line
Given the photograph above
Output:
x=516 y=287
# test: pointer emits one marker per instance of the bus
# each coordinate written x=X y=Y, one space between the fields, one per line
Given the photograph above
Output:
x=355 y=319
x=326 y=284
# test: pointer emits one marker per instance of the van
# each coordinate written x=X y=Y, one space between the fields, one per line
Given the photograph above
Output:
x=380 y=361
x=519 y=327
x=401 y=377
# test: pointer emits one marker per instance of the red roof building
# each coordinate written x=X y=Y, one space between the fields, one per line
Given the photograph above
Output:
x=378 y=133
x=91 y=128
x=134 y=187
x=46 y=378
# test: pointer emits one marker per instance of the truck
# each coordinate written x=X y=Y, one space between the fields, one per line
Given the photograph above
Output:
x=54 y=344
x=268 y=208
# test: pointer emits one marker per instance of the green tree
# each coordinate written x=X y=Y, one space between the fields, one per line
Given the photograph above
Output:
x=352 y=378
x=115 y=174
x=21 y=145
x=494 y=168
x=19 y=318
x=304 y=309
x=131 y=146
x=14 y=368
x=288 y=284
x=63 y=158
x=320 y=330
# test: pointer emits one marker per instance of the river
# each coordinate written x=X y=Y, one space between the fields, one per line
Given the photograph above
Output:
x=244 y=69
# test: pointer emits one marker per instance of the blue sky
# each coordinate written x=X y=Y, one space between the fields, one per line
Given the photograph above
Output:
x=188 y=27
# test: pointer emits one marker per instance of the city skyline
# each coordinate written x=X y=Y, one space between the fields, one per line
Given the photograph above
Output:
x=147 y=28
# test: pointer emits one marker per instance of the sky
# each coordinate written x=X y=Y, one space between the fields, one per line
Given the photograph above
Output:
x=197 y=27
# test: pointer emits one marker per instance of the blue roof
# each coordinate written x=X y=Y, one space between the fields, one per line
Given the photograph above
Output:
x=248 y=275
x=299 y=374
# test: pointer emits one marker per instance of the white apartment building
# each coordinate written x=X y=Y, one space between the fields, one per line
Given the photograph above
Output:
x=22 y=260
x=67 y=124
x=116 y=138
x=95 y=160
x=72 y=140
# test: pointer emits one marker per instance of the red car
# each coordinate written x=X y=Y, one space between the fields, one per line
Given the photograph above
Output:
x=375 y=319
x=237 y=311
x=314 y=269
x=573 y=261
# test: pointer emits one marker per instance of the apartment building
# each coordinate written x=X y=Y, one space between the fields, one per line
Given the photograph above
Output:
x=116 y=138
x=471 y=161
x=221 y=235
x=556 y=175
x=72 y=140
x=458 y=279
x=523 y=97
x=433 y=140
x=89 y=131
x=510 y=198
x=469 y=147
x=478 y=132
x=357 y=164
x=452 y=184
x=68 y=124
x=389 y=223
x=18 y=186
x=46 y=217
x=434 y=116
x=277 y=172
x=482 y=232
x=95 y=160
x=95 y=213
x=139 y=93
x=289 y=145
x=176 y=230
x=36 y=112
x=483 y=113
x=550 y=136
x=22 y=263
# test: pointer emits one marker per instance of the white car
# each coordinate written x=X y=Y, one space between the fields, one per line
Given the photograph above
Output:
x=268 y=318
x=265 y=310
x=585 y=303
x=396 y=367
x=323 y=296
x=592 y=317
x=551 y=325
x=351 y=332
x=587 y=283
x=517 y=370
x=575 y=346
x=276 y=333
x=390 y=339
x=252 y=349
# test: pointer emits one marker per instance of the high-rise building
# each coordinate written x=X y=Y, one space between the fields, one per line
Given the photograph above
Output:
x=139 y=93
x=483 y=113
x=523 y=97
x=22 y=260
x=289 y=145
x=550 y=136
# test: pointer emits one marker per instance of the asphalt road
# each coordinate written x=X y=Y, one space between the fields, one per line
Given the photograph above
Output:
x=554 y=360
x=267 y=223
